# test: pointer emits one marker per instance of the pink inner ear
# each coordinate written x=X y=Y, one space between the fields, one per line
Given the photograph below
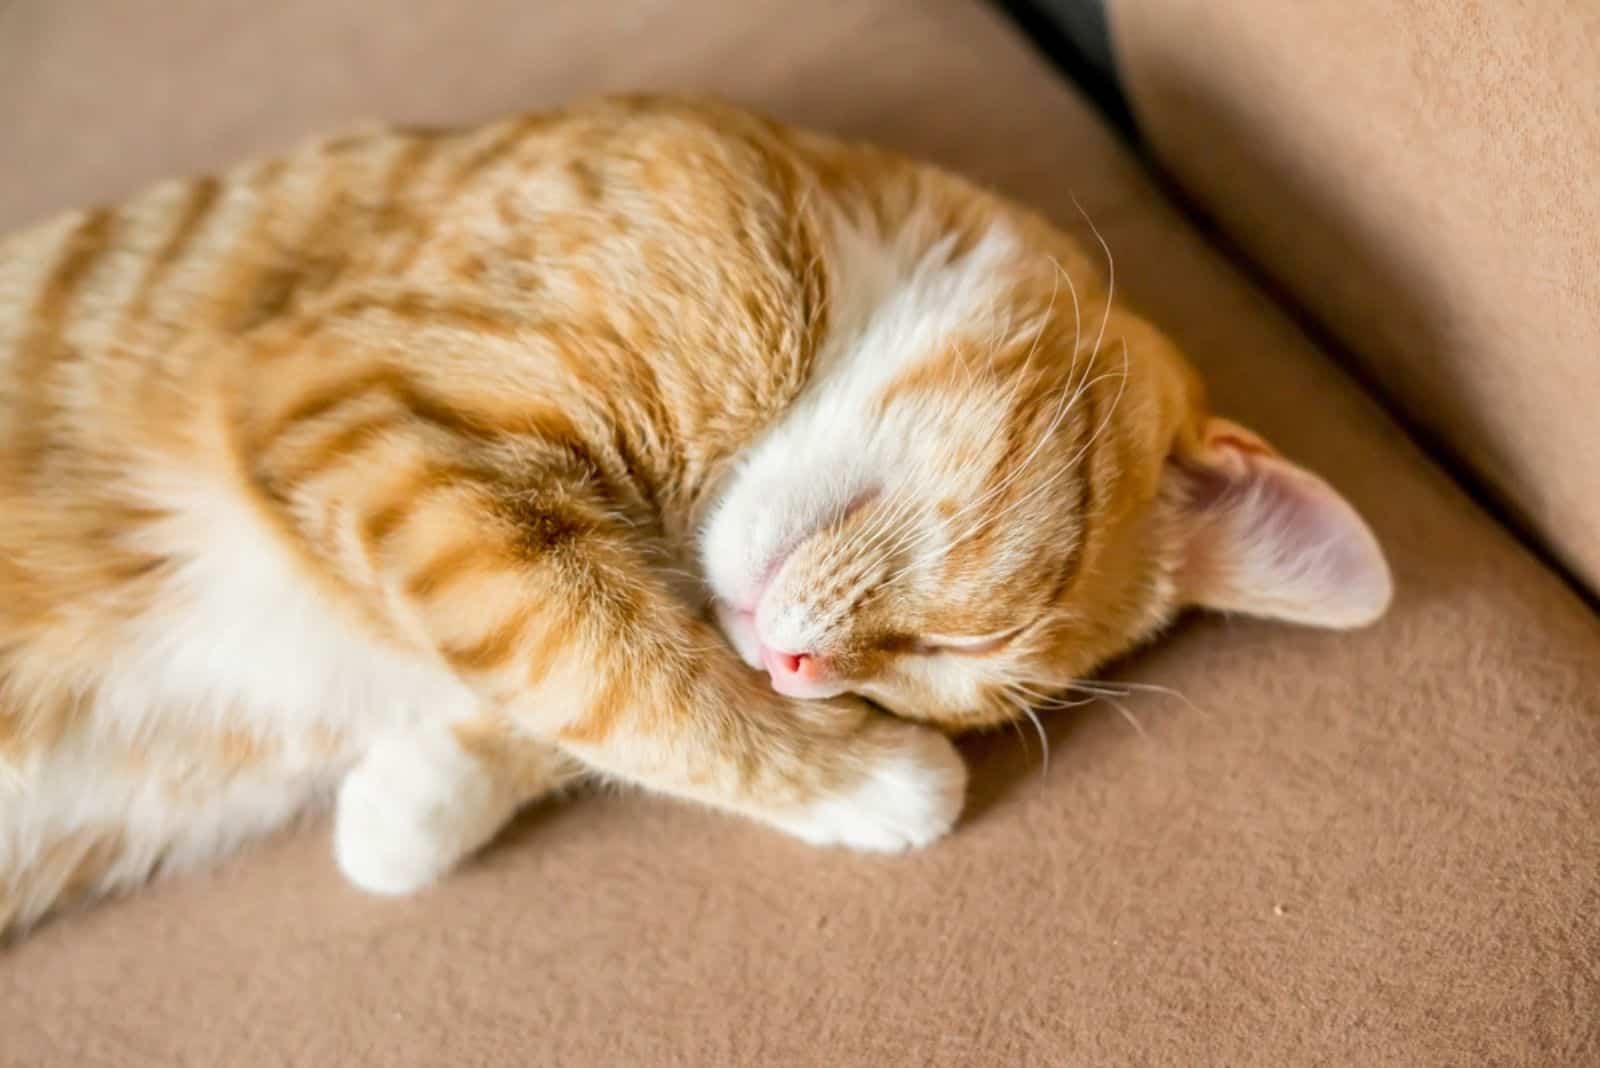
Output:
x=1271 y=539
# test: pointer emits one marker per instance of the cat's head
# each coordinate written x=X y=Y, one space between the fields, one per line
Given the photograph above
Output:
x=991 y=486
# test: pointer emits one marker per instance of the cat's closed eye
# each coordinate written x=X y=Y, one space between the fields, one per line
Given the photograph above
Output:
x=930 y=645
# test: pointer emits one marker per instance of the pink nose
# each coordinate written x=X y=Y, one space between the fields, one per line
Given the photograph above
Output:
x=801 y=666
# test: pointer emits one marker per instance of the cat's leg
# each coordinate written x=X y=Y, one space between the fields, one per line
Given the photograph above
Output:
x=561 y=624
x=708 y=729
x=418 y=803
x=549 y=609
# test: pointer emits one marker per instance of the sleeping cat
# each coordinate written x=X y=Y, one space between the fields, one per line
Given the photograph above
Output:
x=430 y=471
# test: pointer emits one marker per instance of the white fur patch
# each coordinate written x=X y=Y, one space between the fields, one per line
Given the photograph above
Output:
x=242 y=638
x=894 y=303
x=157 y=824
x=909 y=799
x=239 y=642
x=411 y=809
x=740 y=629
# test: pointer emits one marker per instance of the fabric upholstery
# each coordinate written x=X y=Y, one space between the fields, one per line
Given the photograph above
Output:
x=1076 y=37
x=1372 y=849
x=1422 y=177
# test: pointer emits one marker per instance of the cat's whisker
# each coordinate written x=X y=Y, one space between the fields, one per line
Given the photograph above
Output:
x=1116 y=402
x=1016 y=386
x=1044 y=741
x=1099 y=687
x=1108 y=695
x=1071 y=394
x=1016 y=726
x=925 y=558
x=1095 y=349
x=895 y=518
x=1127 y=714
x=1164 y=691
x=1023 y=708
x=1077 y=308
x=1113 y=692
x=884 y=529
x=1050 y=483
x=1048 y=701
x=1058 y=703
x=1094 y=692
x=1083 y=450
x=1111 y=270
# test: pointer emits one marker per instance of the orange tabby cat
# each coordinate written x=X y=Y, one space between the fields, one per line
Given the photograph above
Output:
x=409 y=469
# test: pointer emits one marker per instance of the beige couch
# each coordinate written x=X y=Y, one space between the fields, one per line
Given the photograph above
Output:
x=1372 y=849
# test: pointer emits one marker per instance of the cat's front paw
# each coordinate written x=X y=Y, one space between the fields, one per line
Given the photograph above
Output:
x=408 y=812
x=911 y=795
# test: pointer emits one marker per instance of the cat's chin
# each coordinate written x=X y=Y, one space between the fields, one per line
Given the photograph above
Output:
x=807 y=689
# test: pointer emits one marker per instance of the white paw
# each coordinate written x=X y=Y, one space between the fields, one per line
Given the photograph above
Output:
x=409 y=812
x=911 y=797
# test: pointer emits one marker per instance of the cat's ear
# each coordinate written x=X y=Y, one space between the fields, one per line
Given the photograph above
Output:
x=1267 y=538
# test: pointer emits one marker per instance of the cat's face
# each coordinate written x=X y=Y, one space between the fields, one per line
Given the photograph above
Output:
x=990 y=489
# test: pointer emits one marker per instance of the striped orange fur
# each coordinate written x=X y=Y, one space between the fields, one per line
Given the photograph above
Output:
x=431 y=470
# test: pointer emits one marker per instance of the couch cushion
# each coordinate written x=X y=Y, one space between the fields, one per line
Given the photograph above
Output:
x=1378 y=848
x=1422 y=177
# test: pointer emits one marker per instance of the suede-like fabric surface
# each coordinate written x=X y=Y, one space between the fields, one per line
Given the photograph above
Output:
x=1421 y=175
x=1379 y=848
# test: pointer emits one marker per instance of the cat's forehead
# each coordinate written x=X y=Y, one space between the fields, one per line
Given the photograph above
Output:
x=933 y=331
x=896 y=297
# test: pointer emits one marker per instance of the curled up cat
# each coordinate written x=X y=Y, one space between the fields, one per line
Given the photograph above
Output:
x=425 y=472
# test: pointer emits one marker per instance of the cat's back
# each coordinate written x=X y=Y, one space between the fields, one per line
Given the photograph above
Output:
x=672 y=227
x=163 y=648
x=608 y=260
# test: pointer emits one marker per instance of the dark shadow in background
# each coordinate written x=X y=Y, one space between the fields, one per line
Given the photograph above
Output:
x=1075 y=36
